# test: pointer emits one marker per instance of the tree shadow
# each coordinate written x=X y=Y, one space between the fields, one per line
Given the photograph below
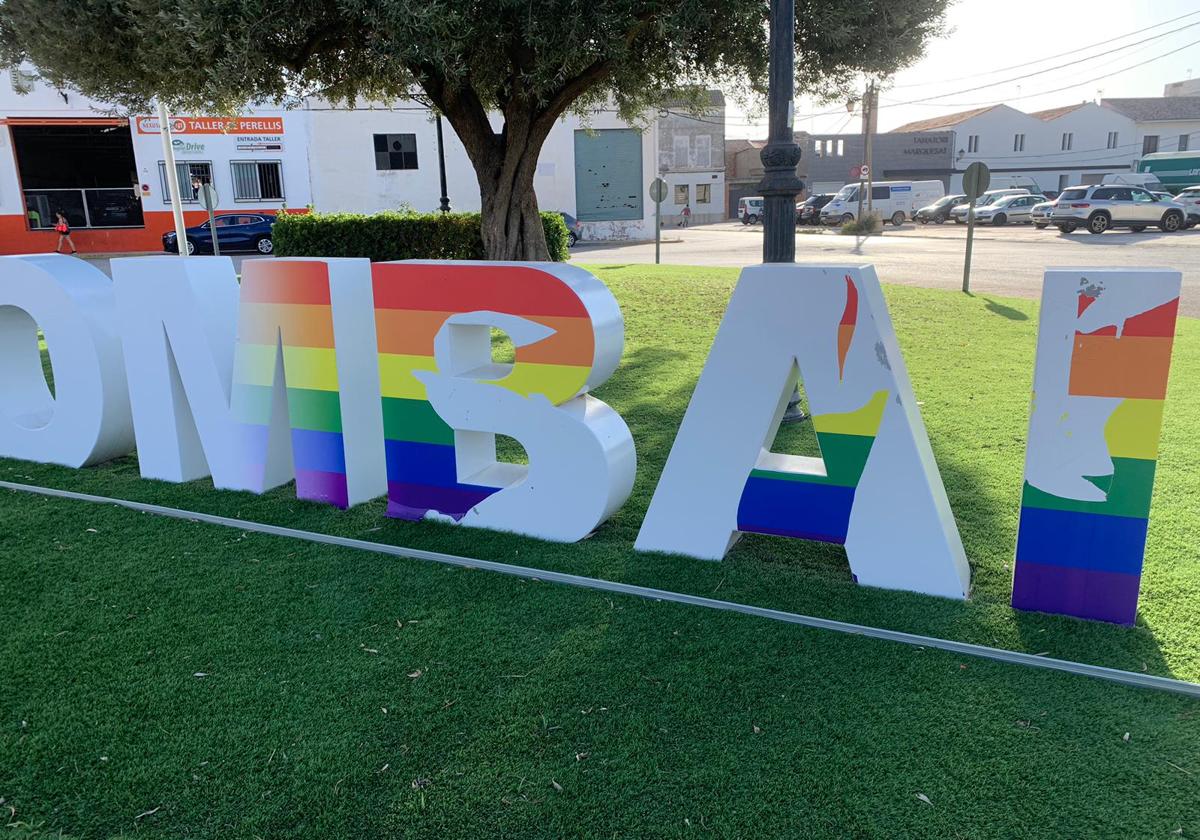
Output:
x=1005 y=311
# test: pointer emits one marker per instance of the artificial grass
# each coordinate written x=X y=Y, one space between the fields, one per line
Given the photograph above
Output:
x=654 y=719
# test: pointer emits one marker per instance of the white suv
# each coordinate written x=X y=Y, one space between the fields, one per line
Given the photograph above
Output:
x=1189 y=197
x=1104 y=206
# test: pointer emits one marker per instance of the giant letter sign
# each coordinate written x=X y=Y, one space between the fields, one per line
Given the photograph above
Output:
x=444 y=399
x=294 y=396
x=876 y=489
x=1104 y=350
x=87 y=420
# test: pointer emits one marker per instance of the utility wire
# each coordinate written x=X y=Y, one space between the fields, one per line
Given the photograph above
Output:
x=1060 y=55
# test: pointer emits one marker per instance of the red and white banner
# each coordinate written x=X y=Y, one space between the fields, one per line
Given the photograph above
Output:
x=213 y=125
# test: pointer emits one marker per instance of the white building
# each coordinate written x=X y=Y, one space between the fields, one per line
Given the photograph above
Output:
x=1188 y=87
x=60 y=151
x=1163 y=123
x=1055 y=148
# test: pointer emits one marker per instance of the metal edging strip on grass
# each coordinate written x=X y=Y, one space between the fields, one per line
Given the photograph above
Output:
x=982 y=651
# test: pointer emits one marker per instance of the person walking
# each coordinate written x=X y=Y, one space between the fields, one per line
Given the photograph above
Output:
x=687 y=214
x=63 y=228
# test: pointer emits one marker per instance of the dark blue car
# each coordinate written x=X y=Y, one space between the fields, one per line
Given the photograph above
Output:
x=235 y=232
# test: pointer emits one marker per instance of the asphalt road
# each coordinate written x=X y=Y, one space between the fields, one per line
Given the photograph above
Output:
x=1007 y=261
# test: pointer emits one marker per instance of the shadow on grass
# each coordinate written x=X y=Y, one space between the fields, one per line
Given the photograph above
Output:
x=1005 y=311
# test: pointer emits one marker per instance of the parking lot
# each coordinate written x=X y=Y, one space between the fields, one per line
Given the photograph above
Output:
x=1007 y=260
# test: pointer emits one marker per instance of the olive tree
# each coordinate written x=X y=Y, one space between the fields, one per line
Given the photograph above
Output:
x=501 y=71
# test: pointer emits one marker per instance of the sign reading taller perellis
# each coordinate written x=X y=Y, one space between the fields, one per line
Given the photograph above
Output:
x=356 y=380
x=213 y=125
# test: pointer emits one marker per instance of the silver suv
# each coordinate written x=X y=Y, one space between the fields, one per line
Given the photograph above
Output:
x=1104 y=206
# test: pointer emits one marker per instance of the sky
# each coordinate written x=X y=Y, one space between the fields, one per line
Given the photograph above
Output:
x=1024 y=36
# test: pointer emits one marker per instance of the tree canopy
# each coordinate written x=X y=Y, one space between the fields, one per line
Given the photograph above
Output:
x=529 y=61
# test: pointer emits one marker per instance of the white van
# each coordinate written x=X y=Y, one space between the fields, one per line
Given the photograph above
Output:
x=894 y=201
x=750 y=209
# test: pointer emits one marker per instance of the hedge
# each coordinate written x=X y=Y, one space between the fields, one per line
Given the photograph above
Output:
x=396 y=235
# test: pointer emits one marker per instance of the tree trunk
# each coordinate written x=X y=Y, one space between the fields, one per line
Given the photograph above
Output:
x=504 y=166
x=512 y=225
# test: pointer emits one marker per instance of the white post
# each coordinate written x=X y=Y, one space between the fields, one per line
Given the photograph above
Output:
x=164 y=129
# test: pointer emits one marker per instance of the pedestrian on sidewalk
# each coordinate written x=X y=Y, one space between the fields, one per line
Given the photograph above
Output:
x=63 y=228
x=687 y=215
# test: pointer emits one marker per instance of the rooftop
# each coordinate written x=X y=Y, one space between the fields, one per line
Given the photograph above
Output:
x=1055 y=113
x=944 y=121
x=1155 y=108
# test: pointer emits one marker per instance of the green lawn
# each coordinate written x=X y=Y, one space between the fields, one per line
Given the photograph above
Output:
x=354 y=695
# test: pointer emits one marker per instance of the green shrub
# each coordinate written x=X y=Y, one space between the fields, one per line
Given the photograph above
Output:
x=863 y=226
x=396 y=235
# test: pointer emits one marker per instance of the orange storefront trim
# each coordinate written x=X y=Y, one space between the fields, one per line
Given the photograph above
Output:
x=17 y=238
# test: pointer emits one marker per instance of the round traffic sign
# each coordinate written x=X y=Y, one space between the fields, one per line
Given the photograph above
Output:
x=976 y=179
x=207 y=195
x=864 y=171
x=658 y=190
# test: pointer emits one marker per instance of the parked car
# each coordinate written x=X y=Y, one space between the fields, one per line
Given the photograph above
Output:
x=959 y=213
x=1102 y=207
x=1039 y=214
x=235 y=232
x=939 y=211
x=1189 y=198
x=894 y=201
x=808 y=212
x=750 y=209
x=574 y=229
x=1006 y=209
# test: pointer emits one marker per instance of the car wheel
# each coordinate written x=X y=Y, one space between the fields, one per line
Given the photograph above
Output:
x=897 y=219
x=264 y=245
x=1066 y=228
x=191 y=247
x=1039 y=225
x=939 y=220
x=1138 y=228
x=1000 y=220
x=921 y=220
x=1098 y=223
x=752 y=220
x=572 y=238
x=959 y=221
x=847 y=218
x=1170 y=223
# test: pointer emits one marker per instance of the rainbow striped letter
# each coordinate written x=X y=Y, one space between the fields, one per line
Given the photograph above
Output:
x=1104 y=350
x=305 y=364
x=444 y=400
x=876 y=487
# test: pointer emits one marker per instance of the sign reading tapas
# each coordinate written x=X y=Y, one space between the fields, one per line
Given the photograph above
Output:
x=213 y=125
x=355 y=380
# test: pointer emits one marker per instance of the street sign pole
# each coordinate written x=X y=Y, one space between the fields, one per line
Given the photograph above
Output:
x=970 y=242
x=164 y=130
x=976 y=179
x=658 y=191
x=208 y=196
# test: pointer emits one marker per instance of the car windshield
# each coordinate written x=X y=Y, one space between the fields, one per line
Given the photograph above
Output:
x=986 y=199
x=847 y=193
x=1072 y=195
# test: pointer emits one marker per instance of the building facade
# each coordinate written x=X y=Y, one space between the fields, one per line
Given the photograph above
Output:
x=107 y=172
x=691 y=159
x=1161 y=123
x=1054 y=149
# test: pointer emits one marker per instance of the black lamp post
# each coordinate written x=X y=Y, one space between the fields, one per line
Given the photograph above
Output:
x=445 y=206
x=780 y=185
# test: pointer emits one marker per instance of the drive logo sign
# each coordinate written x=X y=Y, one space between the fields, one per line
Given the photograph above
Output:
x=357 y=381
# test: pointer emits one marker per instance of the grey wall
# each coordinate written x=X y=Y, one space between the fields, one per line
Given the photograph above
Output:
x=918 y=155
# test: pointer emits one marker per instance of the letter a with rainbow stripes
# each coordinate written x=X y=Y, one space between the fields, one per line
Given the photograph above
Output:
x=875 y=488
x=1103 y=356
x=305 y=380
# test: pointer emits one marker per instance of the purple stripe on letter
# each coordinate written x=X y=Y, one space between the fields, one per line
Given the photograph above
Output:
x=1083 y=593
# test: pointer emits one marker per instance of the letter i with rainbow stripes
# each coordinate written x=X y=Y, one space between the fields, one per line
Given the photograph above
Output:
x=1100 y=379
x=305 y=380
